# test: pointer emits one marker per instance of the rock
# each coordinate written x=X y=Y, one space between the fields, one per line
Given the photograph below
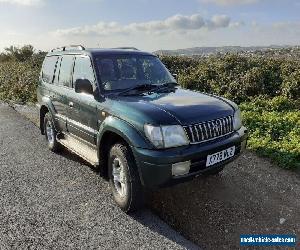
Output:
x=282 y=220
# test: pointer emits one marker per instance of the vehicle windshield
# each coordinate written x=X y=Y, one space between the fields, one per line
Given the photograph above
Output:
x=120 y=72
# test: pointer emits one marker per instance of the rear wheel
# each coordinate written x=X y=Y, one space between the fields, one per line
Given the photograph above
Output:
x=51 y=134
x=124 y=179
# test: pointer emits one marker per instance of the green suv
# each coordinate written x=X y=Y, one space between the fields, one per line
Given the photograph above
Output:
x=123 y=112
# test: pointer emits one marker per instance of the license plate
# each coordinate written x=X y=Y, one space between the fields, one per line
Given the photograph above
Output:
x=220 y=156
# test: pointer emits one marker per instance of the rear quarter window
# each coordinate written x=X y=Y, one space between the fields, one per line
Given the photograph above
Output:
x=49 y=68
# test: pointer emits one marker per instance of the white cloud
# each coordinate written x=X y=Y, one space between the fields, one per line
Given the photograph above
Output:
x=219 y=21
x=289 y=25
x=237 y=24
x=229 y=2
x=247 y=34
x=22 y=2
x=174 y=23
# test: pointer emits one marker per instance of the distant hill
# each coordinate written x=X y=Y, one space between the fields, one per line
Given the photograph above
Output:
x=214 y=50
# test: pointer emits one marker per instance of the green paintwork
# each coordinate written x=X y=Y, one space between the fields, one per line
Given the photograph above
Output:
x=124 y=129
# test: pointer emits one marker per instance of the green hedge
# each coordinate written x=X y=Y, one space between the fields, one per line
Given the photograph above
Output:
x=267 y=89
x=237 y=77
x=18 y=80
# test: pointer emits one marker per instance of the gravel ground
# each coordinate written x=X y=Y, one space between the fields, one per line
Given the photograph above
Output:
x=250 y=196
x=52 y=201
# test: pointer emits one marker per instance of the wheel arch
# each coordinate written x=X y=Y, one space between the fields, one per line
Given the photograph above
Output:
x=116 y=130
x=45 y=107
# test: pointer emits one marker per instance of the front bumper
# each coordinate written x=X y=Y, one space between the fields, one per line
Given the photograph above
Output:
x=155 y=166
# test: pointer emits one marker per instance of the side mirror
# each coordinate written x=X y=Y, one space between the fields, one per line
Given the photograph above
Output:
x=83 y=86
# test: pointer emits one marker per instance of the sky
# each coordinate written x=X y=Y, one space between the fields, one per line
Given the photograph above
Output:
x=149 y=24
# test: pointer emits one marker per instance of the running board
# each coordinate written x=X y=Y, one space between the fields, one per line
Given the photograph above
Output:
x=82 y=149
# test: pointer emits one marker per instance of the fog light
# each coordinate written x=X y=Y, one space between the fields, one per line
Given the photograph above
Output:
x=181 y=168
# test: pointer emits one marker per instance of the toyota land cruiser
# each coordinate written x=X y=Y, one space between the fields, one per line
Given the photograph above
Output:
x=124 y=113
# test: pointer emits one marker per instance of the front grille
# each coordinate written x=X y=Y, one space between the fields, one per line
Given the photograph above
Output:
x=209 y=130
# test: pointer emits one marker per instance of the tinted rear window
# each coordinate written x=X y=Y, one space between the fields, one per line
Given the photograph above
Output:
x=48 y=68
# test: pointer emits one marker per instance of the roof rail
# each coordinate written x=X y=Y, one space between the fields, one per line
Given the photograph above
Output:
x=69 y=47
x=132 y=48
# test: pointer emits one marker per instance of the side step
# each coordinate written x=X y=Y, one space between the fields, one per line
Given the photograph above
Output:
x=85 y=150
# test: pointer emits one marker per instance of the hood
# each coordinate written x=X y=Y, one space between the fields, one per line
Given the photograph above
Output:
x=179 y=106
x=193 y=107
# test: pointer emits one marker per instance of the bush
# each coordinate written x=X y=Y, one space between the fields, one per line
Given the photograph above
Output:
x=177 y=63
x=291 y=85
x=19 y=73
x=18 y=81
x=237 y=77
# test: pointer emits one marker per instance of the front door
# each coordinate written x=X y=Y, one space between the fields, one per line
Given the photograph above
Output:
x=83 y=113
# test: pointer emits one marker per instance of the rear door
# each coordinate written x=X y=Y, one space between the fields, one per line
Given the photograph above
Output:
x=49 y=78
x=83 y=114
x=62 y=88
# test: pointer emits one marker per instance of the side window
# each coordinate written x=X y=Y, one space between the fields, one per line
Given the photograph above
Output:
x=48 y=68
x=65 y=71
x=83 y=69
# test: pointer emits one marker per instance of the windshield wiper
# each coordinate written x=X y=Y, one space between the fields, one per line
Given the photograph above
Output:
x=166 y=85
x=140 y=87
x=149 y=87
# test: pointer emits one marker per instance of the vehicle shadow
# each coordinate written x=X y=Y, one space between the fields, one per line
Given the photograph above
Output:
x=144 y=216
x=197 y=210
x=75 y=158
x=147 y=218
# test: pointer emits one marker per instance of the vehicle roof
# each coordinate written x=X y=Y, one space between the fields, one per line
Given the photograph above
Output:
x=98 y=51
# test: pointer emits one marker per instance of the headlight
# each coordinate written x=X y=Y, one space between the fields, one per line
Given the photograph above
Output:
x=174 y=136
x=237 y=121
x=154 y=134
x=166 y=136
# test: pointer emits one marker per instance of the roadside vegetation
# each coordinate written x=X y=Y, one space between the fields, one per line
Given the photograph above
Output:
x=19 y=72
x=266 y=86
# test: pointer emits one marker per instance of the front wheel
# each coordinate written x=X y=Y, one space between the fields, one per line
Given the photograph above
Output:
x=124 y=179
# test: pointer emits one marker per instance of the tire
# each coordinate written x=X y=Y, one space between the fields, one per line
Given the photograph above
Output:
x=50 y=134
x=124 y=179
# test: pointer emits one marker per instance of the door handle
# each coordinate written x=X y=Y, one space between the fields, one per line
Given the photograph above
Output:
x=71 y=104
